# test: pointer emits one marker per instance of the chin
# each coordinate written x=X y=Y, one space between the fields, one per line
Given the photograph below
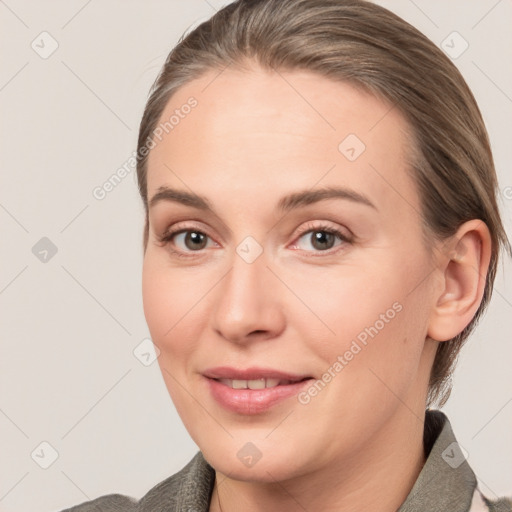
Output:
x=257 y=461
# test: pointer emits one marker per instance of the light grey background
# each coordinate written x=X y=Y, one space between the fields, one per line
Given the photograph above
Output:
x=68 y=375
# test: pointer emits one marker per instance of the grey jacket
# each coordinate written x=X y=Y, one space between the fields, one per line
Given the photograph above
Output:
x=445 y=484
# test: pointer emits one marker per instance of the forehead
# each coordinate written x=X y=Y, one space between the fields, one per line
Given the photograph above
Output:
x=279 y=130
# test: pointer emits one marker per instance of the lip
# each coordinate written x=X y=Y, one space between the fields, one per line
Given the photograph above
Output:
x=252 y=401
x=254 y=372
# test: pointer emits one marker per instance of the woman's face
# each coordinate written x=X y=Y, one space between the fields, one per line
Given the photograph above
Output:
x=268 y=282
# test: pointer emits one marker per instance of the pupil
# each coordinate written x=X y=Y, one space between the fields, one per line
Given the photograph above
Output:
x=196 y=238
x=321 y=238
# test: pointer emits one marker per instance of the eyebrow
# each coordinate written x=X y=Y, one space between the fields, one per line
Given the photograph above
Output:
x=287 y=203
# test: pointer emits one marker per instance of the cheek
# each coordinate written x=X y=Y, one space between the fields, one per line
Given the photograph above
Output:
x=169 y=301
x=347 y=302
x=168 y=308
x=389 y=363
x=157 y=299
x=375 y=314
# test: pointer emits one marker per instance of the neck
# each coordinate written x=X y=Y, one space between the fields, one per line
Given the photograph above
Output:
x=379 y=478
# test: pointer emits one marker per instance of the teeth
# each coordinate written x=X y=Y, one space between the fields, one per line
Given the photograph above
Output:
x=253 y=384
x=239 y=384
x=256 y=384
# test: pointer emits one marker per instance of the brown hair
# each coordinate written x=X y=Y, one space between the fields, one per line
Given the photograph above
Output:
x=362 y=43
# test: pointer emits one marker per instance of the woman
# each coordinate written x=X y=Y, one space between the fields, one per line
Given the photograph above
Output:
x=322 y=235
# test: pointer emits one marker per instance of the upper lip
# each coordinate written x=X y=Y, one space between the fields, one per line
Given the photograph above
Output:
x=253 y=373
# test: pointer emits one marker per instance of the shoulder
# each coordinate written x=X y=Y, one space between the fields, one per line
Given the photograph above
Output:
x=446 y=481
x=188 y=489
x=482 y=503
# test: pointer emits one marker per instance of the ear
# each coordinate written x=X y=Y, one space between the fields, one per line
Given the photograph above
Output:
x=464 y=273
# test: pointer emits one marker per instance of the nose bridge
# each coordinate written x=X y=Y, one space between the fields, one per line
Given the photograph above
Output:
x=247 y=300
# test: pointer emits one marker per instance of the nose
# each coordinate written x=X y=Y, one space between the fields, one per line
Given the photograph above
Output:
x=247 y=306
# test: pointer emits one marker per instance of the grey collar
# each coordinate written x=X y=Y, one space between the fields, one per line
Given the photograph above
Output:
x=446 y=481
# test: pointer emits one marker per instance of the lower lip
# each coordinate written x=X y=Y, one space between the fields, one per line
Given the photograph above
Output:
x=253 y=401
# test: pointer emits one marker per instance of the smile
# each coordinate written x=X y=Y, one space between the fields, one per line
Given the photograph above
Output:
x=254 y=383
x=253 y=390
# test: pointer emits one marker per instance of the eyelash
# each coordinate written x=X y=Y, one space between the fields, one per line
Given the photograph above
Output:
x=167 y=236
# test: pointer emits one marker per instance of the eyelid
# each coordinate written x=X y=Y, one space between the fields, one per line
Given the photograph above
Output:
x=323 y=225
x=179 y=227
x=164 y=240
x=345 y=238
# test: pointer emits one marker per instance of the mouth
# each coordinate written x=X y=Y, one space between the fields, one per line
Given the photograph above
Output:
x=253 y=390
x=261 y=383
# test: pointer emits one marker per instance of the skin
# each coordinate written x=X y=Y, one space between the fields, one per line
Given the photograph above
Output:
x=253 y=138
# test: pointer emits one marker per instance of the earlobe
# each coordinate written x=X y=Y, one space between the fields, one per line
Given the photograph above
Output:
x=464 y=271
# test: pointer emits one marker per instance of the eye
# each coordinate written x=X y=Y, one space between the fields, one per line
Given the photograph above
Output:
x=193 y=240
x=184 y=241
x=321 y=238
x=187 y=240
